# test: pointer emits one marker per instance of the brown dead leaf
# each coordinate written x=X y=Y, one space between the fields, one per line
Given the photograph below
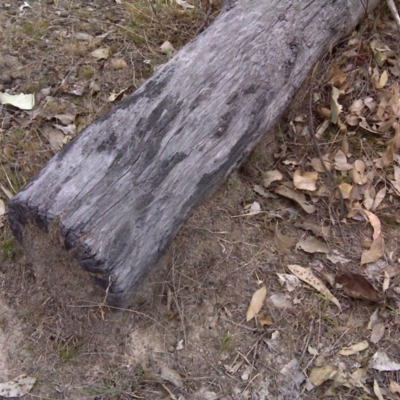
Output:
x=118 y=63
x=271 y=176
x=368 y=200
x=370 y=103
x=264 y=320
x=324 y=112
x=394 y=387
x=283 y=242
x=354 y=349
x=358 y=173
x=317 y=164
x=321 y=129
x=377 y=390
x=171 y=376
x=377 y=333
x=379 y=81
x=386 y=281
x=379 y=197
x=321 y=374
x=336 y=108
x=396 y=182
x=308 y=277
x=317 y=229
x=375 y=223
x=262 y=192
x=352 y=120
x=305 y=180
x=356 y=286
x=338 y=77
x=357 y=107
x=298 y=197
x=345 y=145
x=312 y=245
x=345 y=189
x=256 y=303
x=376 y=251
x=341 y=163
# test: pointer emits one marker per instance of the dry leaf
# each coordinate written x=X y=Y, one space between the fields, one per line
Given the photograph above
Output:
x=354 y=349
x=337 y=259
x=373 y=319
x=253 y=208
x=256 y=303
x=338 y=77
x=336 y=108
x=283 y=242
x=289 y=280
x=324 y=112
x=341 y=163
x=321 y=129
x=386 y=281
x=376 y=251
x=379 y=81
x=305 y=180
x=319 y=230
x=345 y=144
x=279 y=300
x=271 y=176
x=18 y=387
x=378 y=331
x=396 y=182
x=171 y=376
x=394 y=387
x=313 y=245
x=262 y=192
x=313 y=281
x=358 y=173
x=316 y=163
x=264 y=319
x=101 y=53
x=298 y=197
x=368 y=200
x=2 y=208
x=377 y=390
x=345 y=189
x=357 y=107
x=370 y=103
x=319 y=375
x=167 y=47
x=357 y=286
x=375 y=223
x=118 y=63
x=381 y=362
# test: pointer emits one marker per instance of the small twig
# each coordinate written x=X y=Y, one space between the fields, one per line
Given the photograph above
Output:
x=395 y=13
x=308 y=341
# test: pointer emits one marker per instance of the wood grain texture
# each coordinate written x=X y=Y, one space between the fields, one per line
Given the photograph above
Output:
x=121 y=189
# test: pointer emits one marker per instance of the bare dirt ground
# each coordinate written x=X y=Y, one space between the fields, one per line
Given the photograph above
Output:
x=186 y=335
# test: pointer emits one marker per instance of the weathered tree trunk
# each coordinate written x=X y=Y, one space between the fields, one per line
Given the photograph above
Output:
x=117 y=194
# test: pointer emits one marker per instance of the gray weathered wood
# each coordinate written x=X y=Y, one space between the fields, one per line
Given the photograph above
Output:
x=118 y=193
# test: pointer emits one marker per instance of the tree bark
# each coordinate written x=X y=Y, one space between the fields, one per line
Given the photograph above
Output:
x=117 y=194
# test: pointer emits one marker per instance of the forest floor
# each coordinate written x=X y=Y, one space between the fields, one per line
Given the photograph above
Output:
x=316 y=248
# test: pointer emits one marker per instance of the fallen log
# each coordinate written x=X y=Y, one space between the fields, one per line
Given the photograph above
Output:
x=116 y=195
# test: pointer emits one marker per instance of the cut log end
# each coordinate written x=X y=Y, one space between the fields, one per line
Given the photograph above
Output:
x=57 y=270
